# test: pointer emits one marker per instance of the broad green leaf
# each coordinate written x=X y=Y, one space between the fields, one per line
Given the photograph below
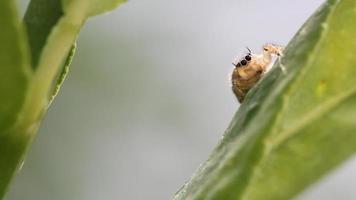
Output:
x=14 y=67
x=27 y=91
x=15 y=73
x=292 y=128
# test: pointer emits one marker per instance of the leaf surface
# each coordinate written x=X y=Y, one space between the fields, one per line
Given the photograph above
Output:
x=15 y=73
x=56 y=53
x=292 y=128
x=26 y=91
x=40 y=18
x=14 y=67
x=94 y=7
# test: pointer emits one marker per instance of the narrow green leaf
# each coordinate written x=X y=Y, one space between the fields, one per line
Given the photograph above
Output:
x=54 y=53
x=15 y=73
x=92 y=7
x=57 y=50
x=64 y=72
x=292 y=128
x=40 y=18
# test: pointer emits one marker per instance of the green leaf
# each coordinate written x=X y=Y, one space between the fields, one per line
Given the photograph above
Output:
x=57 y=51
x=292 y=128
x=25 y=90
x=15 y=73
x=40 y=18
x=64 y=72
x=92 y=7
x=14 y=65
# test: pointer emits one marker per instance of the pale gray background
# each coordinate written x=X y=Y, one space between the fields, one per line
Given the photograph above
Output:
x=147 y=98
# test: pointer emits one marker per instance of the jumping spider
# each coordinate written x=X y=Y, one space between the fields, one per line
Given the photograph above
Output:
x=249 y=69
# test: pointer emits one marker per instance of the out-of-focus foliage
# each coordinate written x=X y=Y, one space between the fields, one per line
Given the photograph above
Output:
x=14 y=82
x=295 y=127
x=26 y=85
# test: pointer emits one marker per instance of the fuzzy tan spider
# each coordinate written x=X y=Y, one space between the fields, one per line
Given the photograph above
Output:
x=249 y=70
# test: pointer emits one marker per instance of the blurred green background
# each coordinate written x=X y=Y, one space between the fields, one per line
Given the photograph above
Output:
x=148 y=97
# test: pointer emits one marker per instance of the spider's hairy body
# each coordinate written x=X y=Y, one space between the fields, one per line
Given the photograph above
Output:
x=250 y=69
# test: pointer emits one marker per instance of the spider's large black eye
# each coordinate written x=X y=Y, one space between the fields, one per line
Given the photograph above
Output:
x=243 y=62
x=248 y=57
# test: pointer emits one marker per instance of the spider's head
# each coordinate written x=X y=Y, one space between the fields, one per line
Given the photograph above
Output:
x=244 y=61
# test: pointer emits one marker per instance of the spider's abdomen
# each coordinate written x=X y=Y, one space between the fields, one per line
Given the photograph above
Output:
x=243 y=79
